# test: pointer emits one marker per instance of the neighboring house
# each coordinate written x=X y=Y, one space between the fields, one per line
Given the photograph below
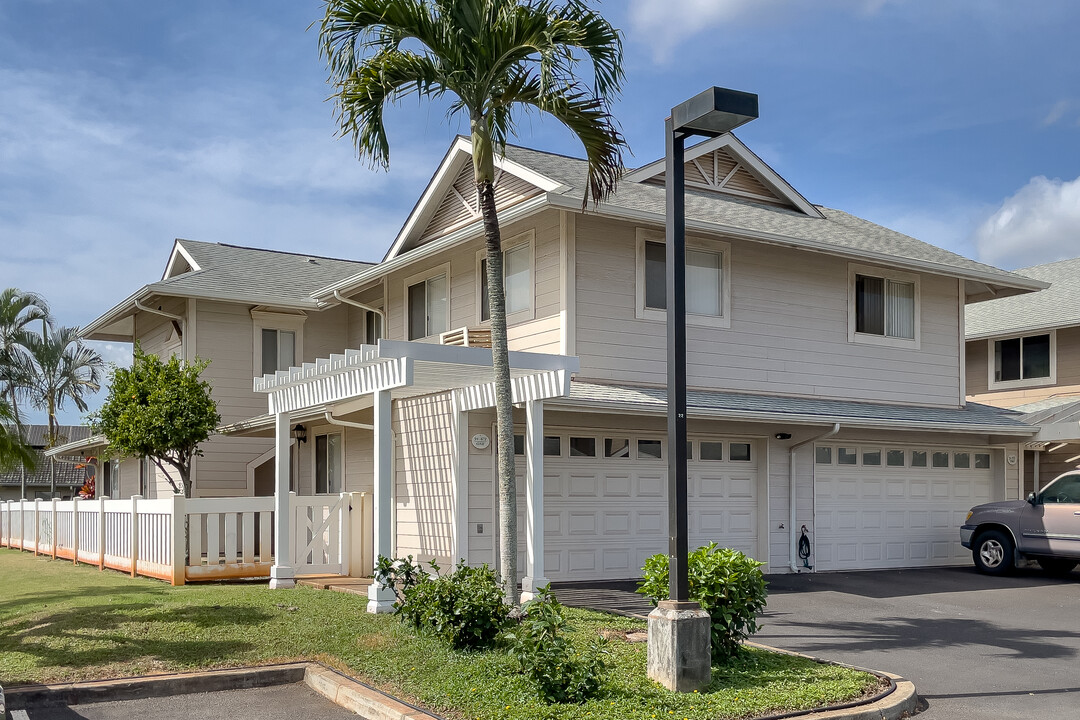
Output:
x=825 y=363
x=39 y=483
x=1023 y=353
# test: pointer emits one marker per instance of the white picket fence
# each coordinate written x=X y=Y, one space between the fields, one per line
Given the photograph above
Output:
x=226 y=538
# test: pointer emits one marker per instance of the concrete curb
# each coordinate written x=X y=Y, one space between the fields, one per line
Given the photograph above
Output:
x=3 y=705
x=363 y=700
x=155 y=686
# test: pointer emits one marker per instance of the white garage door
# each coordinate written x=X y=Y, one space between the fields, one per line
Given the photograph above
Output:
x=605 y=501
x=884 y=506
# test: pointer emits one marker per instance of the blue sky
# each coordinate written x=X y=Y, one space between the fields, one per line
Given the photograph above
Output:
x=126 y=124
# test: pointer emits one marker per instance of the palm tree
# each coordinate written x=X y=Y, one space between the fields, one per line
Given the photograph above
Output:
x=18 y=310
x=13 y=451
x=490 y=58
x=64 y=369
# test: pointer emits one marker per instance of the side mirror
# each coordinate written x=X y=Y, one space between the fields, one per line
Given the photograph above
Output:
x=1031 y=499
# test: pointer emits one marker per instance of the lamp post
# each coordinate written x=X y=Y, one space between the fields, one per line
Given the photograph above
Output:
x=679 y=630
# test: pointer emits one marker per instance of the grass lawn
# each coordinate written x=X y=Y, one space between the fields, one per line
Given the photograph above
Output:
x=65 y=623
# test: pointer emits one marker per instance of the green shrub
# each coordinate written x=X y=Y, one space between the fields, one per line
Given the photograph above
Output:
x=728 y=585
x=561 y=672
x=466 y=608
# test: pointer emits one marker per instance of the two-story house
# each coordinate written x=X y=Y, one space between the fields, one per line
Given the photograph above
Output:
x=1023 y=353
x=826 y=366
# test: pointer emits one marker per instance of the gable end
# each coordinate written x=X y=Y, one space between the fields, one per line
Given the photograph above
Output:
x=460 y=205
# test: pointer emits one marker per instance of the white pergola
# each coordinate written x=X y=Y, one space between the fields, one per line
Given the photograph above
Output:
x=395 y=369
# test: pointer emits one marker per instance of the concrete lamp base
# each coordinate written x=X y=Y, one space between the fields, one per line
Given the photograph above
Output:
x=680 y=649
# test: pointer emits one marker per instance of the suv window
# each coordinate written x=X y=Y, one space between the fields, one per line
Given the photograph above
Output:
x=1065 y=489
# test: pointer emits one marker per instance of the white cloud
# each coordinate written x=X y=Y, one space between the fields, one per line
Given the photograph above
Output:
x=1056 y=113
x=1039 y=224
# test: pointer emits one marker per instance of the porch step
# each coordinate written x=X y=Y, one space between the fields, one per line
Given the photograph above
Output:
x=337 y=583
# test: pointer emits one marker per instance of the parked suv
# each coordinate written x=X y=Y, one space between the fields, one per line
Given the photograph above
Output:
x=1045 y=528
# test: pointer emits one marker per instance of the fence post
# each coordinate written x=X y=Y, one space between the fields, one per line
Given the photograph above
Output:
x=55 y=529
x=5 y=530
x=179 y=546
x=344 y=536
x=134 y=537
x=101 y=534
x=75 y=530
x=37 y=524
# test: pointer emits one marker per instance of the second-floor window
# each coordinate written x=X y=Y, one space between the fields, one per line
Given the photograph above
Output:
x=428 y=306
x=1022 y=359
x=517 y=281
x=278 y=350
x=707 y=277
x=372 y=327
x=883 y=306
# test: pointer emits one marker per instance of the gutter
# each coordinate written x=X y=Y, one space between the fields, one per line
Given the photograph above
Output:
x=793 y=550
x=345 y=423
x=382 y=316
x=176 y=318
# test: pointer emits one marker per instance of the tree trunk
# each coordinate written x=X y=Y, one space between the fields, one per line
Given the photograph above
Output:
x=483 y=165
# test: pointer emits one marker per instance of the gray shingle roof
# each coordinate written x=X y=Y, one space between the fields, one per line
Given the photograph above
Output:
x=256 y=275
x=1058 y=306
x=838 y=230
x=67 y=475
x=973 y=418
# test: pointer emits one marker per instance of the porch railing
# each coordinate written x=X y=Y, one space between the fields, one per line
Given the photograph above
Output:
x=223 y=538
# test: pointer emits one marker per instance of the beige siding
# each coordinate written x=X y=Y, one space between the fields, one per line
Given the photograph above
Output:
x=326 y=333
x=460 y=206
x=424 y=491
x=540 y=334
x=788 y=334
x=979 y=358
x=155 y=333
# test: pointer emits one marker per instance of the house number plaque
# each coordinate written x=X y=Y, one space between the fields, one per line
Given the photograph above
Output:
x=480 y=441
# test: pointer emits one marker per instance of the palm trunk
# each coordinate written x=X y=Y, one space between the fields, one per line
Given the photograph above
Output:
x=483 y=164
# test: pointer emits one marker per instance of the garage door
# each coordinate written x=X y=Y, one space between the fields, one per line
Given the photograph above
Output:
x=605 y=501
x=881 y=506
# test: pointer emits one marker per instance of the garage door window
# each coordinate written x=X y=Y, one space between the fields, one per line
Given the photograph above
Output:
x=847 y=456
x=739 y=452
x=961 y=461
x=918 y=458
x=712 y=450
x=895 y=458
x=519 y=444
x=649 y=449
x=616 y=447
x=552 y=445
x=871 y=457
x=982 y=461
x=941 y=460
x=823 y=455
x=582 y=447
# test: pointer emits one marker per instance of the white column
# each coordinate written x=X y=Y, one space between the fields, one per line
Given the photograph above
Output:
x=282 y=572
x=380 y=597
x=460 y=464
x=534 y=500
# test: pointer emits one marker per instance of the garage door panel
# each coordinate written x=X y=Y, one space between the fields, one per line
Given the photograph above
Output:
x=617 y=485
x=742 y=488
x=583 y=523
x=649 y=485
x=872 y=516
x=651 y=522
x=616 y=523
x=584 y=486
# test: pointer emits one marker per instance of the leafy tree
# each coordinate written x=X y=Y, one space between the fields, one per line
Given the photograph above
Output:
x=162 y=410
x=64 y=369
x=18 y=310
x=13 y=451
x=492 y=58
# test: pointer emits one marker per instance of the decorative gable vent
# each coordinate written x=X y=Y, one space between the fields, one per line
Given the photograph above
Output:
x=461 y=204
x=719 y=171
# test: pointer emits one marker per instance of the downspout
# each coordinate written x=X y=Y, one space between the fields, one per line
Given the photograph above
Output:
x=348 y=301
x=177 y=318
x=793 y=550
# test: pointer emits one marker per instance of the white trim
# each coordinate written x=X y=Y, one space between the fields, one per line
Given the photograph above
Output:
x=568 y=282
x=178 y=252
x=268 y=320
x=914 y=343
x=992 y=384
x=719 y=247
x=253 y=465
x=444 y=177
x=1022 y=330
x=525 y=238
x=960 y=319
x=423 y=277
x=744 y=156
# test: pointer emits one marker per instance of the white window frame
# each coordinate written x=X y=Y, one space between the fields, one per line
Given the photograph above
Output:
x=526 y=238
x=365 y=324
x=896 y=276
x=1021 y=383
x=443 y=269
x=268 y=320
x=719 y=247
x=321 y=432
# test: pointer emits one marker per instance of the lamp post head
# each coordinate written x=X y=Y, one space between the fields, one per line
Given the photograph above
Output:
x=714 y=112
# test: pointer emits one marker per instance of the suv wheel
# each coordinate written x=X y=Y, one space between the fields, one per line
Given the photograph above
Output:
x=993 y=553
x=1057 y=566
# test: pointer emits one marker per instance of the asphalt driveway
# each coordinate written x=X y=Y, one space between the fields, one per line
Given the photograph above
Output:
x=977 y=648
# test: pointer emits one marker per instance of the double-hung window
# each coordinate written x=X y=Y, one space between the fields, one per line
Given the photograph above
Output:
x=883 y=306
x=707 y=280
x=1027 y=360
x=429 y=307
x=278 y=350
x=373 y=329
x=517 y=280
